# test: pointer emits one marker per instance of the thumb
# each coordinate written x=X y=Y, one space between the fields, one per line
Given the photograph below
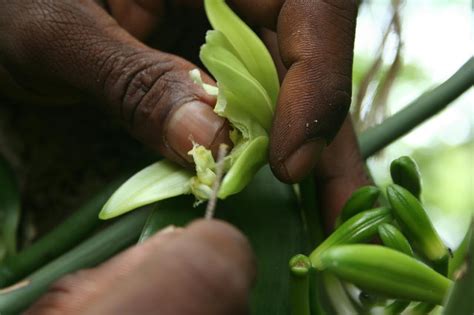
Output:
x=78 y=44
x=206 y=268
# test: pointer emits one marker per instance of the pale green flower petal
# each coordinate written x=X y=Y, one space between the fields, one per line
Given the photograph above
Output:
x=158 y=181
x=246 y=43
x=239 y=87
x=253 y=157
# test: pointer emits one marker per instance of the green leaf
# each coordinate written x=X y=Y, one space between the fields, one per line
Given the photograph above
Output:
x=158 y=181
x=250 y=48
x=385 y=271
x=9 y=210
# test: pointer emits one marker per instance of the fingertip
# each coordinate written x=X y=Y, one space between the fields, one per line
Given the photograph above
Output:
x=299 y=163
x=227 y=240
x=216 y=228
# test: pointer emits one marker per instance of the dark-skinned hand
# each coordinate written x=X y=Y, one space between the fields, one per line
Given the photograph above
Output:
x=95 y=49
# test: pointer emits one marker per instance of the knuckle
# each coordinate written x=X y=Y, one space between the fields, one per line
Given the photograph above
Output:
x=155 y=87
x=127 y=74
x=142 y=87
x=140 y=83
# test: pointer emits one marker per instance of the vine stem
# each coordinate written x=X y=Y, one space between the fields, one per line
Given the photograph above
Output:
x=300 y=266
x=424 y=107
x=68 y=234
x=93 y=251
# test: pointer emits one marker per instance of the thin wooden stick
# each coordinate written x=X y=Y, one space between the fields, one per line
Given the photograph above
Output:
x=211 y=204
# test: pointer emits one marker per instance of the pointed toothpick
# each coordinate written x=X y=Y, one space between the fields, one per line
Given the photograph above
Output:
x=211 y=204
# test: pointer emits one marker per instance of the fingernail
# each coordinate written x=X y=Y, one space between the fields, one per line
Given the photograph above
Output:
x=300 y=163
x=196 y=121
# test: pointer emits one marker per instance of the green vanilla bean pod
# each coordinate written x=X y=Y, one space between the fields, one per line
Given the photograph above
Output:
x=300 y=266
x=404 y=172
x=359 y=228
x=385 y=271
x=362 y=199
x=416 y=224
x=393 y=238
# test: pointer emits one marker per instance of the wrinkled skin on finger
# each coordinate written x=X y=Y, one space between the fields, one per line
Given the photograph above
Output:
x=315 y=40
x=95 y=48
x=206 y=268
x=77 y=45
x=315 y=43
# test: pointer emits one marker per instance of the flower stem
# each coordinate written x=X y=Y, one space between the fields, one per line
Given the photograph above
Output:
x=96 y=249
x=299 y=285
x=424 y=107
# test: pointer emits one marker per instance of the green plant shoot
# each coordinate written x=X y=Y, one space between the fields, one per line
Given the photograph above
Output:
x=247 y=90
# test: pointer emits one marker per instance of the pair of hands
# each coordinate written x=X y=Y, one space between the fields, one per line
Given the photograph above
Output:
x=95 y=48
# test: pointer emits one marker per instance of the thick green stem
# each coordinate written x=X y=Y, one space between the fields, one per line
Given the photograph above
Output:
x=425 y=106
x=62 y=238
x=299 y=285
x=93 y=251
